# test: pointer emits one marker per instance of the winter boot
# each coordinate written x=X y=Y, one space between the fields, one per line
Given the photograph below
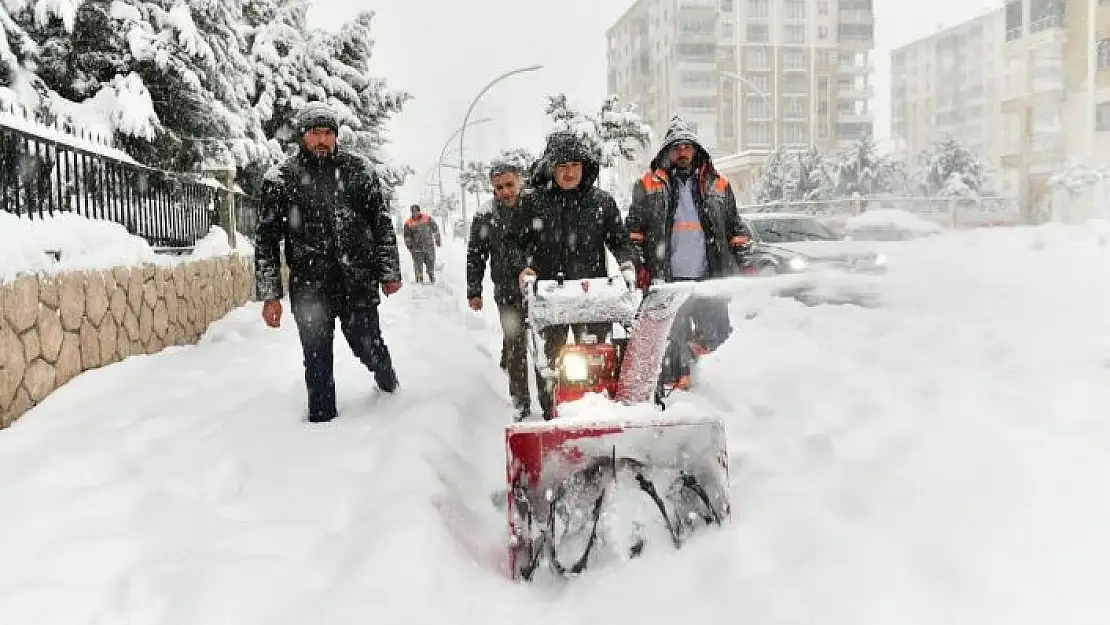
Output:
x=320 y=417
x=522 y=408
x=386 y=380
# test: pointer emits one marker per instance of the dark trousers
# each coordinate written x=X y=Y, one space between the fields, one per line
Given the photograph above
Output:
x=554 y=338
x=703 y=322
x=424 y=258
x=515 y=353
x=316 y=327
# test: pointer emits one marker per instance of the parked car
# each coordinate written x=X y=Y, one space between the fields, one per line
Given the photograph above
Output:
x=889 y=224
x=795 y=243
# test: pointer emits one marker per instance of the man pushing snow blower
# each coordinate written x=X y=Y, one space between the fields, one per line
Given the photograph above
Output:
x=614 y=478
x=686 y=228
x=567 y=223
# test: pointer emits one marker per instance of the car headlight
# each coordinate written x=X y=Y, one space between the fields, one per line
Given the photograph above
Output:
x=796 y=264
x=576 y=368
x=880 y=260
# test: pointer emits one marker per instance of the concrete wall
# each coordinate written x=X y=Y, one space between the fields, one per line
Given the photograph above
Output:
x=53 y=328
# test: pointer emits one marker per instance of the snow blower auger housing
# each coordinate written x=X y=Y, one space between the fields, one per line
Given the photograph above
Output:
x=615 y=476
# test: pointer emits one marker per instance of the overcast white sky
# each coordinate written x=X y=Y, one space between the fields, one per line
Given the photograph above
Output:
x=444 y=51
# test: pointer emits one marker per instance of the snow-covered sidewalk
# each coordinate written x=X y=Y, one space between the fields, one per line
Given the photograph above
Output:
x=940 y=459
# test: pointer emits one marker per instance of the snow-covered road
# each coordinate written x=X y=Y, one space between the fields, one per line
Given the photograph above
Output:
x=940 y=459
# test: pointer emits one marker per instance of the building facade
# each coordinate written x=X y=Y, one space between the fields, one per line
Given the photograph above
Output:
x=951 y=84
x=1056 y=100
x=749 y=75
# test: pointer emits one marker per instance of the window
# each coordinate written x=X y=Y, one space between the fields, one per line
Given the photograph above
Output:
x=1102 y=117
x=758 y=33
x=758 y=134
x=1013 y=20
x=698 y=80
x=757 y=9
x=1045 y=14
x=822 y=107
x=793 y=59
x=823 y=7
x=794 y=107
x=794 y=133
x=795 y=9
x=761 y=82
x=823 y=32
x=698 y=103
x=794 y=83
x=1103 y=53
x=794 y=33
x=726 y=6
x=861 y=32
x=756 y=58
x=756 y=108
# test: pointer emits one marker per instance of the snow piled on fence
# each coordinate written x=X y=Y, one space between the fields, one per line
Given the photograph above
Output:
x=70 y=242
x=215 y=244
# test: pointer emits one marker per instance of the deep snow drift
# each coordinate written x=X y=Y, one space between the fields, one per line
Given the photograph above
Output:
x=940 y=459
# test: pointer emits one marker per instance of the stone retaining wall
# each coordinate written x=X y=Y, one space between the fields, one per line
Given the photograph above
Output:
x=55 y=327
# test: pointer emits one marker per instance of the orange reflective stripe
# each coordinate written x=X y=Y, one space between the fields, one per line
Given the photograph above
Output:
x=739 y=240
x=638 y=237
x=687 y=226
x=651 y=183
x=721 y=184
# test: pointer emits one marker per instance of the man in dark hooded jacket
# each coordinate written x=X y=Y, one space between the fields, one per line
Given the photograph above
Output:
x=326 y=206
x=686 y=227
x=567 y=225
x=492 y=240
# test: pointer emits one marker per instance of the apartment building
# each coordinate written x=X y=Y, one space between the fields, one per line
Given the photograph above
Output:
x=749 y=75
x=950 y=83
x=1056 y=96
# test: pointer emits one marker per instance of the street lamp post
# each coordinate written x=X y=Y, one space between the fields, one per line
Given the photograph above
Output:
x=766 y=99
x=447 y=144
x=469 y=110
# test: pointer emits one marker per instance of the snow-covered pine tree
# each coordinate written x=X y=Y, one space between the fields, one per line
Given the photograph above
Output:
x=949 y=169
x=773 y=179
x=622 y=131
x=613 y=133
x=810 y=176
x=862 y=169
x=181 y=84
x=520 y=157
x=474 y=178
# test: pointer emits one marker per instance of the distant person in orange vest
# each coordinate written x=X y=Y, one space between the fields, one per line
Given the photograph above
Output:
x=422 y=239
x=686 y=227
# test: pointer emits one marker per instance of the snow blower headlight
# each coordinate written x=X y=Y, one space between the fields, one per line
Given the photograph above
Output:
x=797 y=263
x=576 y=368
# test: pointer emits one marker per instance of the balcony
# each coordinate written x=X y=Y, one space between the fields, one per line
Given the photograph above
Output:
x=696 y=36
x=854 y=117
x=856 y=17
x=856 y=92
x=852 y=68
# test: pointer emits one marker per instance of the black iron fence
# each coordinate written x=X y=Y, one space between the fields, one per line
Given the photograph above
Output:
x=46 y=170
x=246 y=215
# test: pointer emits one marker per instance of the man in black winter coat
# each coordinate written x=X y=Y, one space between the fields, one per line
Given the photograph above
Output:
x=686 y=227
x=567 y=223
x=492 y=240
x=326 y=206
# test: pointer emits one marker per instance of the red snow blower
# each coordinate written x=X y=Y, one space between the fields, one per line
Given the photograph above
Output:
x=584 y=490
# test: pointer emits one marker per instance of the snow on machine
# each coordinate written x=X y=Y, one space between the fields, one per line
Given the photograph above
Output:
x=611 y=475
